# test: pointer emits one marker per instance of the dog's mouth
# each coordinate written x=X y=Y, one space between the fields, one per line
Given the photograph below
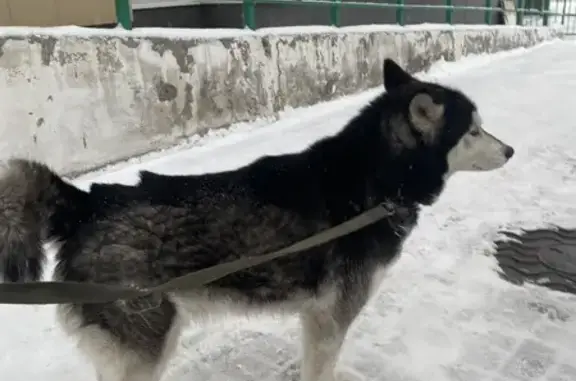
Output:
x=479 y=168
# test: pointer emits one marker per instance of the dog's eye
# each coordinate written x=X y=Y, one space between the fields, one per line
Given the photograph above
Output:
x=475 y=132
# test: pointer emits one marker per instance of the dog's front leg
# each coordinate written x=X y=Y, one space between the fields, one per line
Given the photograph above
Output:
x=323 y=337
x=324 y=329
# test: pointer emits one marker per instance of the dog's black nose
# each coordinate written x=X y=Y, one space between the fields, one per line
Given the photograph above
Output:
x=508 y=152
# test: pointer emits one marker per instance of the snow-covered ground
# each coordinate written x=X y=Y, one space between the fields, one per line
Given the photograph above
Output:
x=443 y=314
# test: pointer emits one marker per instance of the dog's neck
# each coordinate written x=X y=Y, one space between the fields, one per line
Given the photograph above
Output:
x=377 y=172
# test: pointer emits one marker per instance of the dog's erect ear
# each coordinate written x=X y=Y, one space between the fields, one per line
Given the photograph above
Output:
x=426 y=115
x=394 y=75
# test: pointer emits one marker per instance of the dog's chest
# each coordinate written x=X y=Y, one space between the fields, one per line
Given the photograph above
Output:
x=400 y=224
x=379 y=273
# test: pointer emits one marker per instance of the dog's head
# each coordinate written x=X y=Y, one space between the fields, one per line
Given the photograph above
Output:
x=441 y=121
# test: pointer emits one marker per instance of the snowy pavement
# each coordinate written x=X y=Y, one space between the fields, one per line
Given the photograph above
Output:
x=443 y=314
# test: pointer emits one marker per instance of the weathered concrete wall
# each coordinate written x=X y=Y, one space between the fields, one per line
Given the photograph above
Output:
x=81 y=98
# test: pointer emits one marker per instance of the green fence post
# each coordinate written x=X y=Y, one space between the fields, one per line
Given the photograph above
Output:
x=124 y=13
x=449 y=11
x=400 y=12
x=564 y=11
x=488 y=12
x=249 y=13
x=545 y=10
x=520 y=12
x=335 y=12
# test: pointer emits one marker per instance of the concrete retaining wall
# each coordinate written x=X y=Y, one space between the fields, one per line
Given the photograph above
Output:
x=80 y=98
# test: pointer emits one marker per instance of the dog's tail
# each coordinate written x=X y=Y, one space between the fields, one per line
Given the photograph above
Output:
x=36 y=204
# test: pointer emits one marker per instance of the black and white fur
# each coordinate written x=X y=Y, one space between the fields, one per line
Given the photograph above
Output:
x=399 y=149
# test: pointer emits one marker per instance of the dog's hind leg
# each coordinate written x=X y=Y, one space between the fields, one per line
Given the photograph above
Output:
x=125 y=340
x=325 y=326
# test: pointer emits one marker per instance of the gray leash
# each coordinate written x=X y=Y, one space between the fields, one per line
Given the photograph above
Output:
x=85 y=293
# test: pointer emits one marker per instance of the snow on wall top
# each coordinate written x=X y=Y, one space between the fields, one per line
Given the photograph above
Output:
x=182 y=33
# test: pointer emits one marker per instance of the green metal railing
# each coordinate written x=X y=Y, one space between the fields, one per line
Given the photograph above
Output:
x=558 y=13
x=124 y=13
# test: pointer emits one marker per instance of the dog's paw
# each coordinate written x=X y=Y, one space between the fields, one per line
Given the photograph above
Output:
x=348 y=374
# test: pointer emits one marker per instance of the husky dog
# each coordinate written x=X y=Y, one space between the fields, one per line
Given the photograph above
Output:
x=400 y=149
